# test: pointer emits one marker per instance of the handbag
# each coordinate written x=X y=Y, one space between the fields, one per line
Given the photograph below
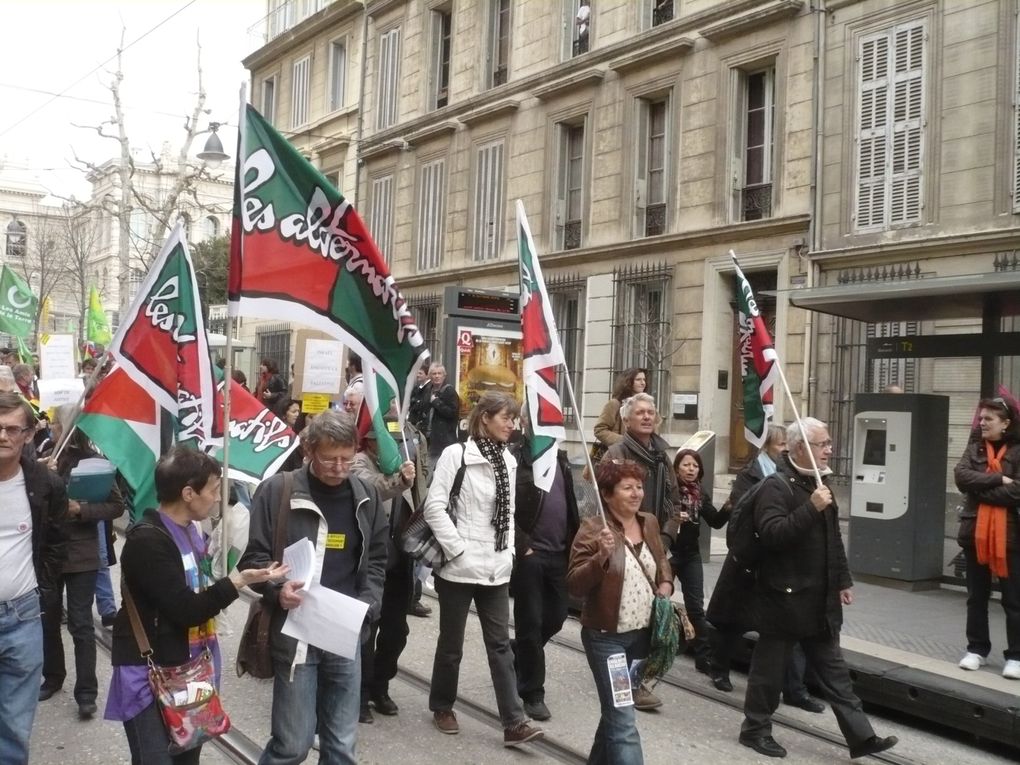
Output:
x=417 y=538
x=253 y=652
x=185 y=694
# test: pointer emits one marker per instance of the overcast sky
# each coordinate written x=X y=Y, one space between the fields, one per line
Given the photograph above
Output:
x=53 y=46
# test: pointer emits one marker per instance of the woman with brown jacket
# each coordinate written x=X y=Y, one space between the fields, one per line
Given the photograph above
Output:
x=613 y=564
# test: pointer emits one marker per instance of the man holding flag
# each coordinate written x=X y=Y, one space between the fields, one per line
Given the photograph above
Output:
x=545 y=513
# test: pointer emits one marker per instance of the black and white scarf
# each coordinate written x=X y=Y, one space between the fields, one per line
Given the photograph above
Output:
x=493 y=452
x=656 y=462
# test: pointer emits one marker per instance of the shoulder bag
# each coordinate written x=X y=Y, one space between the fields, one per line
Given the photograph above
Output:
x=253 y=653
x=186 y=694
x=417 y=539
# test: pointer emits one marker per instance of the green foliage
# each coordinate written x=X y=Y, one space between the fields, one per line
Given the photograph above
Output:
x=212 y=259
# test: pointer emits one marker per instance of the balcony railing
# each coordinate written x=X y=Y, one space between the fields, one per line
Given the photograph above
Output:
x=572 y=235
x=756 y=201
x=581 y=45
x=499 y=76
x=655 y=219
x=662 y=12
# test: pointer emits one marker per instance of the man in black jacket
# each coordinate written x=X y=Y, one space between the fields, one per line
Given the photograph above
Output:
x=315 y=690
x=545 y=525
x=803 y=584
x=33 y=502
x=444 y=409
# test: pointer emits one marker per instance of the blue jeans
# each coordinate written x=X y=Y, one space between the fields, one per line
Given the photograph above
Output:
x=106 y=604
x=326 y=689
x=616 y=740
x=21 y=658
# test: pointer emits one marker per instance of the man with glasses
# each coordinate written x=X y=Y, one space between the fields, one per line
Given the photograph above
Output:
x=33 y=503
x=315 y=691
x=803 y=583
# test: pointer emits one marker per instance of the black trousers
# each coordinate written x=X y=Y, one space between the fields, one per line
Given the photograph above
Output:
x=979 y=592
x=539 y=588
x=81 y=591
x=387 y=637
x=824 y=657
x=687 y=568
x=727 y=639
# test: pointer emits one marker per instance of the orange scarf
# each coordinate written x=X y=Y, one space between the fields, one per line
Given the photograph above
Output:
x=990 y=534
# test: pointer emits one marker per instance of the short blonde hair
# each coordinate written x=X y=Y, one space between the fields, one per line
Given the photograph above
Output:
x=491 y=403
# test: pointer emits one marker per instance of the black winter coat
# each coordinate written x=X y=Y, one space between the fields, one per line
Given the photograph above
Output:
x=978 y=486
x=803 y=566
x=530 y=499
x=47 y=502
x=445 y=409
x=687 y=538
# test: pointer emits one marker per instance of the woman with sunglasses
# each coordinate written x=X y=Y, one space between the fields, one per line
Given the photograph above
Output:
x=989 y=533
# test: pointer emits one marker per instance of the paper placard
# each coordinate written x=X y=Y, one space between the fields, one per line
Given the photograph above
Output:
x=56 y=392
x=314 y=403
x=56 y=357
x=321 y=372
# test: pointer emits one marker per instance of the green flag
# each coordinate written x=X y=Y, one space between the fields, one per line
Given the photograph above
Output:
x=97 y=328
x=18 y=306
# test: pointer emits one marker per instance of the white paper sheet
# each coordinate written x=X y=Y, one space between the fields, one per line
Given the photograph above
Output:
x=300 y=557
x=328 y=620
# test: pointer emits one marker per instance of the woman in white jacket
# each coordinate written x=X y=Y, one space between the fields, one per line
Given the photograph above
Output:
x=478 y=542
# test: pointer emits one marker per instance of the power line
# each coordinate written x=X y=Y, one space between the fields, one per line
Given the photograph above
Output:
x=83 y=99
x=99 y=66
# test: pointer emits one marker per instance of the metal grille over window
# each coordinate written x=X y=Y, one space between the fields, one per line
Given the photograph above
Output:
x=425 y=309
x=566 y=293
x=642 y=324
x=274 y=343
x=17 y=239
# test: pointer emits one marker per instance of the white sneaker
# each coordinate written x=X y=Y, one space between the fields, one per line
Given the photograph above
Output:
x=1012 y=669
x=974 y=661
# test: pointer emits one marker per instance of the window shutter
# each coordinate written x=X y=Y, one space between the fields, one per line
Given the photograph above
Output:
x=907 y=123
x=431 y=215
x=872 y=124
x=387 y=92
x=489 y=202
x=381 y=223
x=641 y=168
x=299 y=93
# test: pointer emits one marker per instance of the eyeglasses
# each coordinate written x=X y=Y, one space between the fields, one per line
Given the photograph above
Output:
x=13 y=430
x=336 y=462
x=821 y=444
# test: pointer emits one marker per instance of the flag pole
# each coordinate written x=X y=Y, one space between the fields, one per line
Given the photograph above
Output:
x=584 y=442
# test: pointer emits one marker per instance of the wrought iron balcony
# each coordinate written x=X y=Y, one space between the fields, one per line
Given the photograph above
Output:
x=572 y=235
x=662 y=12
x=581 y=45
x=655 y=220
x=756 y=201
x=499 y=76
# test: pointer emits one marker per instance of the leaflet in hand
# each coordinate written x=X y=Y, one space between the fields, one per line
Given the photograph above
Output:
x=91 y=480
x=300 y=557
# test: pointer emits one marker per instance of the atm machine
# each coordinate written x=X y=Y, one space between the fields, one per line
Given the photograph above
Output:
x=898 y=486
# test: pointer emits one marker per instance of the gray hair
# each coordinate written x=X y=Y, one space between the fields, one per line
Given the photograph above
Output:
x=437 y=368
x=773 y=434
x=794 y=435
x=629 y=403
x=337 y=428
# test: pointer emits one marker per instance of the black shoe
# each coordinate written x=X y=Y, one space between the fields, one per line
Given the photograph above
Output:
x=47 y=691
x=366 y=715
x=722 y=683
x=87 y=710
x=763 y=745
x=384 y=705
x=108 y=619
x=703 y=664
x=419 y=609
x=537 y=710
x=873 y=745
x=808 y=704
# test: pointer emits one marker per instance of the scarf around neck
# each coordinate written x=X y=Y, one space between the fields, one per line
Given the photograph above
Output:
x=690 y=499
x=990 y=531
x=493 y=453
x=658 y=466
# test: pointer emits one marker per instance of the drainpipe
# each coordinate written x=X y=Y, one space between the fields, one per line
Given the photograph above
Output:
x=808 y=381
x=361 y=109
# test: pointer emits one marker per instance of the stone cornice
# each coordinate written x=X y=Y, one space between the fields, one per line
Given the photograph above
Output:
x=429 y=132
x=567 y=84
x=727 y=28
x=679 y=46
x=322 y=21
x=490 y=111
x=954 y=244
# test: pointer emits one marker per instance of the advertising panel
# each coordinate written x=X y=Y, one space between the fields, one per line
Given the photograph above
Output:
x=487 y=359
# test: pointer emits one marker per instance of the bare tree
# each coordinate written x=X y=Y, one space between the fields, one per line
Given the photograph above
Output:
x=81 y=237
x=146 y=212
x=44 y=266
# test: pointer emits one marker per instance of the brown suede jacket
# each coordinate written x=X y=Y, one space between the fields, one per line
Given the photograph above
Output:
x=600 y=584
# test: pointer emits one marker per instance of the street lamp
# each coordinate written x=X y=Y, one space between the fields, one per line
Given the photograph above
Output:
x=213 y=153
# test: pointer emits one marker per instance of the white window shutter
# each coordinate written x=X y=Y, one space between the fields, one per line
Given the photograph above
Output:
x=1016 y=127
x=908 y=123
x=489 y=203
x=872 y=127
x=431 y=214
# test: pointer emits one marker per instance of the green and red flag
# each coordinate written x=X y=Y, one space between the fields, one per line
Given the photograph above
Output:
x=162 y=342
x=758 y=362
x=543 y=356
x=300 y=252
x=123 y=421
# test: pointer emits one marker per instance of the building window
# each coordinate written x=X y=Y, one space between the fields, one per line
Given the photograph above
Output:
x=499 y=42
x=581 y=27
x=274 y=343
x=269 y=99
x=337 y=74
x=566 y=294
x=388 y=82
x=425 y=309
x=186 y=223
x=652 y=162
x=489 y=199
x=299 y=92
x=442 y=24
x=753 y=171
x=336 y=177
x=210 y=228
x=1016 y=127
x=570 y=194
x=17 y=239
x=662 y=11
x=642 y=326
x=280 y=17
x=890 y=126
x=381 y=220
x=431 y=215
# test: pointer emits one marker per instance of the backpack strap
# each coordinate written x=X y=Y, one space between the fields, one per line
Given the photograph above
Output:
x=458 y=480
